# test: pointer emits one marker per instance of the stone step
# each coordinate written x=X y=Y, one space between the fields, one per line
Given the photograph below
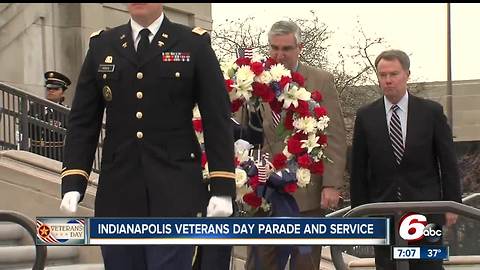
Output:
x=10 y=233
x=23 y=256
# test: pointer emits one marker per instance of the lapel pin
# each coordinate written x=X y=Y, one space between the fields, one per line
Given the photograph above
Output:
x=124 y=45
x=122 y=36
x=109 y=59
x=160 y=43
x=164 y=35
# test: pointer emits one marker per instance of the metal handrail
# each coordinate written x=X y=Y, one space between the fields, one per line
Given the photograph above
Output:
x=30 y=226
x=389 y=208
x=343 y=211
x=16 y=107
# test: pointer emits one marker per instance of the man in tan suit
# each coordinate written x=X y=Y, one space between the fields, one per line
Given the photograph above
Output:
x=322 y=193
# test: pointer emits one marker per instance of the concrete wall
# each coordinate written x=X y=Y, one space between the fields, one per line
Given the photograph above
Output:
x=465 y=105
x=44 y=36
x=30 y=184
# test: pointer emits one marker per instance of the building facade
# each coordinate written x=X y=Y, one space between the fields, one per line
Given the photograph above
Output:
x=54 y=36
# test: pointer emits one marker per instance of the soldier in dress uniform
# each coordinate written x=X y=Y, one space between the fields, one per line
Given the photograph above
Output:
x=148 y=74
x=44 y=141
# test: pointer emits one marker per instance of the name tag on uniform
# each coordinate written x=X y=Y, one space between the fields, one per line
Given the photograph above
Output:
x=106 y=68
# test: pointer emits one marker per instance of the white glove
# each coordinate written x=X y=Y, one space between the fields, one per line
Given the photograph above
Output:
x=70 y=202
x=219 y=206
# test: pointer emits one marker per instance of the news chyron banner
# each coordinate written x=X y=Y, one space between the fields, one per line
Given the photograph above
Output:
x=212 y=231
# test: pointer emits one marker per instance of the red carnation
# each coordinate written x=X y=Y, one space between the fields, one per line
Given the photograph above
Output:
x=264 y=91
x=276 y=105
x=298 y=78
x=283 y=81
x=304 y=161
x=294 y=146
x=290 y=187
x=317 y=167
x=252 y=199
x=270 y=62
x=289 y=121
x=317 y=96
x=300 y=136
x=279 y=161
x=253 y=181
x=322 y=139
x=256 y=67
x=236 y=104
x=320 y=111
x=197 y=125
x=228 y=85
x=243 y=61
x=204 y=159
x=302 y=108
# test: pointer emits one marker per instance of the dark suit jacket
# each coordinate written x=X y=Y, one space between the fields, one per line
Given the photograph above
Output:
x=428 y=170
x=151 y=156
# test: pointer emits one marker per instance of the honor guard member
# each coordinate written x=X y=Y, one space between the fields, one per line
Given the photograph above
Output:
x=148 y=74
x=44 y=141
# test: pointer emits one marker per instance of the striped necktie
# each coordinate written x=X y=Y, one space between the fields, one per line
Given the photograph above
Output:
x=276 y=118
x=395 y=131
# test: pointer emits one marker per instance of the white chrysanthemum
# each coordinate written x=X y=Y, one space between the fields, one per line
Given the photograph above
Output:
x=306 y=124
x=240 y=177
x=228 y=69
x=278 y=70
x=291 y=94
x=303 y=177
x=311 y=142
x=265 y=77
x=322 y=122
x=245 y=74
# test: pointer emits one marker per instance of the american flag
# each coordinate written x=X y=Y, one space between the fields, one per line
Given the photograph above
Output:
x=263 y=167
x=245 y=52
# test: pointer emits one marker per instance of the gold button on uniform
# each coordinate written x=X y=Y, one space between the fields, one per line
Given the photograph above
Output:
x=139 y=75
x=139 y=115
x=139 y=134
x=192 y=155
x=177 y=74
x=139 y=95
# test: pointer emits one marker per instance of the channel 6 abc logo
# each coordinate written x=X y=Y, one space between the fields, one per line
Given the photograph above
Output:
x=414 y=227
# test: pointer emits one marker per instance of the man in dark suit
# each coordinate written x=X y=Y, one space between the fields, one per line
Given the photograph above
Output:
x=402 y=151
x=44 y=141
x=148 y=74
